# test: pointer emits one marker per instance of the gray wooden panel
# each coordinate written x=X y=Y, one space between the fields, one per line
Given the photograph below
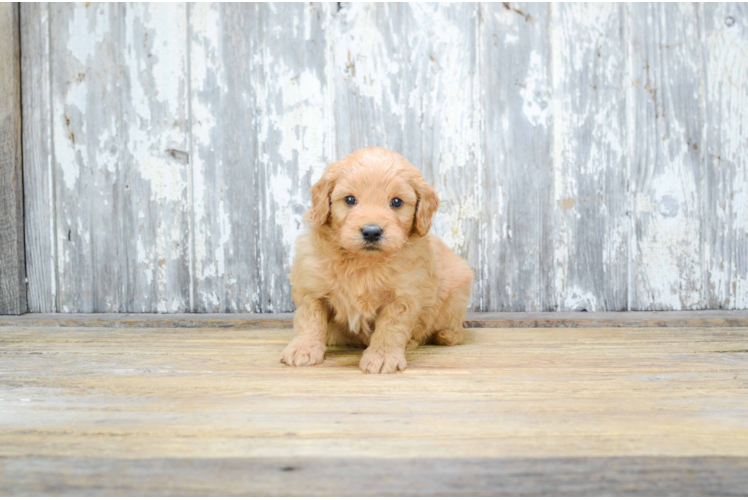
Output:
x=666 y=143
x=516 y=233
x=224 y=180
x=38 y=171
x=406 y=78
x=119 y=127
x=726 y=158
x=85 y=50
x=590 y=200
x=262 y=135
x=155 y=208
x=587 y=156
x=355 y=476
x=12 y=266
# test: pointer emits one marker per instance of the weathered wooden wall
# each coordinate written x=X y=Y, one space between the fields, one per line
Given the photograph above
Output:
x=12 y=266
x=589 y=156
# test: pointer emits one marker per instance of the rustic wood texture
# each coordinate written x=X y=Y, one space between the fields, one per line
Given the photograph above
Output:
x=702 y=319
x=261 y=137
x=87 y=410
x=88 y=157
x=590 y=201
x=12 y=254
x=589 y=157
x=273 y=476
x=155 y=172
x=516 y=212
x=666 y=100
x=119 y=123
x=725 y=42
x=38 y=157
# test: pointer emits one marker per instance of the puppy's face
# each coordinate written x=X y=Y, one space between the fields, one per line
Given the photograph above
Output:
x=374 y=201
x=372 y=211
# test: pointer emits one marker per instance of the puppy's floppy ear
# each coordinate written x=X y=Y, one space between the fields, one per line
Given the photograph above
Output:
x=427 y=204
x=321 y=191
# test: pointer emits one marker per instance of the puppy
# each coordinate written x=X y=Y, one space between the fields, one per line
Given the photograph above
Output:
x=368 y=273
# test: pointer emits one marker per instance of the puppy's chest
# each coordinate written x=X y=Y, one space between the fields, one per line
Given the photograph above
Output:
x=357 y=309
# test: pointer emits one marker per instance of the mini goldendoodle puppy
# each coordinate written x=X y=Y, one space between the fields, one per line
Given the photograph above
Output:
x=368 y=273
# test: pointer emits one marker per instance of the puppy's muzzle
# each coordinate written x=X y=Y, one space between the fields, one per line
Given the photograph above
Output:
x=371 y=233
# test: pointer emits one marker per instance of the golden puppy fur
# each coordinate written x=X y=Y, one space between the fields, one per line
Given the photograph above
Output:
x=404 y=290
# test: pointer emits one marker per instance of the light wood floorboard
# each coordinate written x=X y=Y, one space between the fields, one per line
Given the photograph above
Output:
x=513 y=411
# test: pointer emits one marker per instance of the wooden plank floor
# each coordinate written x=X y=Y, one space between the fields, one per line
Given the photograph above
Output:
x=204 y=411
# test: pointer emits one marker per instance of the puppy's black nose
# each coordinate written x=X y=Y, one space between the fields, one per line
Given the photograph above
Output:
x=372 y=233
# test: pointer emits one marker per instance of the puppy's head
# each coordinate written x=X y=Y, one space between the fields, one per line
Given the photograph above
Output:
x=373 y=201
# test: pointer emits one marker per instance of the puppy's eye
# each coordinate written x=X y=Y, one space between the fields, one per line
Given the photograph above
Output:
x=396 y=203
x=349 y=200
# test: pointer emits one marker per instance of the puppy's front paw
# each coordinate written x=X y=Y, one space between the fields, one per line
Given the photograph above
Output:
x=303 y=352
x=383 y=360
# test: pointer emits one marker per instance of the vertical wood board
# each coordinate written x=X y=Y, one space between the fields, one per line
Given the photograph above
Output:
x=261 y=136
x=516 y=100
x=666 y=130
x=12 y=253
x=590 y=190
x=38 y=159
x=725 y=45
x=117 y=129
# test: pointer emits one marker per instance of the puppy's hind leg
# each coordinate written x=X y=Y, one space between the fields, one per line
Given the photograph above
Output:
x=449 y=337
x=449 y=325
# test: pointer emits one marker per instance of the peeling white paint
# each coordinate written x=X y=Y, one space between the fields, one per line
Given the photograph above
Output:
x=590 y=224
x=360 y=55
x=450 y=225
x=535 y=103
x=667 y=260
x=224 y=224
x=149 y=140
x=452 y=89
x=301 y=121
x=83 y=47
x=726 y=64
x=70 y=140
x=577 y=299
x=206 y=70
x=413 y=83
x=294 y=124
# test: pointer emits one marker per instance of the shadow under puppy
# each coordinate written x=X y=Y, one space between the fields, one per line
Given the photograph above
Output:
x=369 y=273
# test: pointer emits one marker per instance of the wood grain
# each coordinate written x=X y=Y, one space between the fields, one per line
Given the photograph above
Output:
x=119 y=133
x=517 y=102
x=588 y=157
x=273 y=476
x=155 y=172
x=260 y=137
x=38 y=159
x=666 y=141
x=12 y=253
x=590 y=178
x=725 y=45
x=88 y=155
x=113 y=410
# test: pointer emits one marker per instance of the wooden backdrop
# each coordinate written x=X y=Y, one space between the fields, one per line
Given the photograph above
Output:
x=588 y=156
